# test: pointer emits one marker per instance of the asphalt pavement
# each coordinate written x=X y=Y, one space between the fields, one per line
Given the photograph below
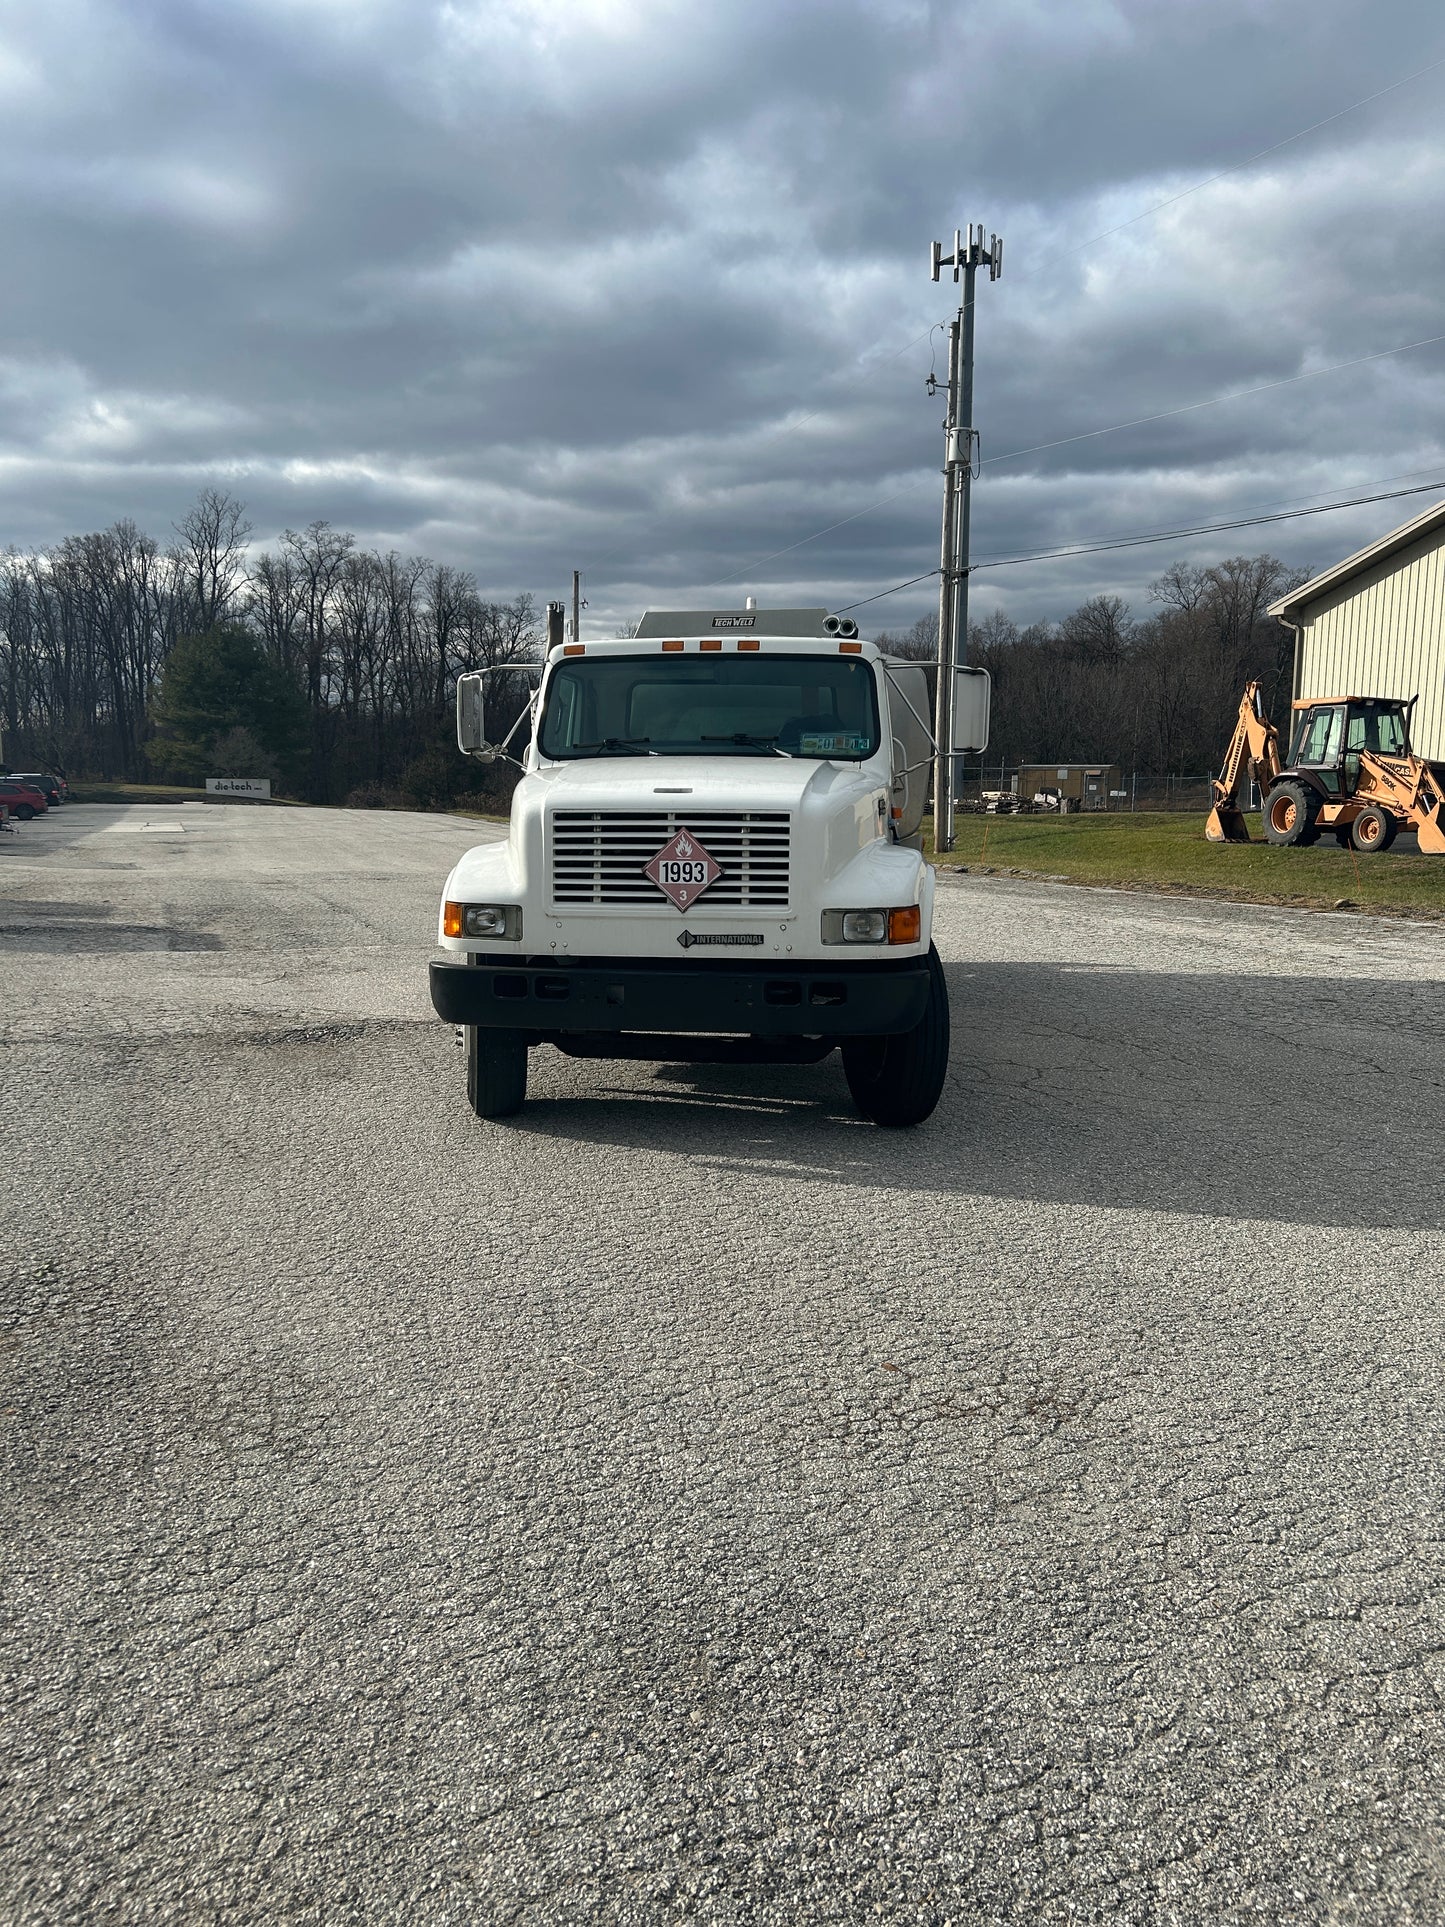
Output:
x=687 y=1502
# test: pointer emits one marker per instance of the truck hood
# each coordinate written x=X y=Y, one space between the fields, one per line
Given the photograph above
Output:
x=694 y=782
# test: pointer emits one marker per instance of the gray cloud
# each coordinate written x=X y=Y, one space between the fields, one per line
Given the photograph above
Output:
x=632 y=285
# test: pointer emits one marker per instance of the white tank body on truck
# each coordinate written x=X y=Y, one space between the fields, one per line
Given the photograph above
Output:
x=714 y=856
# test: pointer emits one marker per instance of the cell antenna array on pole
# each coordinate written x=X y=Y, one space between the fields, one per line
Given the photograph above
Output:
x=970 y=253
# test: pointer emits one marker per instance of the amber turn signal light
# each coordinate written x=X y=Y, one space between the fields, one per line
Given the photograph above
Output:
x=451 y=919
x=905 y=926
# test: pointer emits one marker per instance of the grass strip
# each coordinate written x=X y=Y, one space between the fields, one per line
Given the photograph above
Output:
x=160 y=793
x=1170 y=853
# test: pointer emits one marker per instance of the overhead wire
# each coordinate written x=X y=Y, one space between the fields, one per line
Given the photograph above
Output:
x=1141 y=421
x=1215 y=401
x=1090 y=434
x=1205 y=528
x=1157 y=535
x=1237 y=167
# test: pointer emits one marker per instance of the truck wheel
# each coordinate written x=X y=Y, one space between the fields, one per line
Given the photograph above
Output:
x=1289 y=814
x=1373 y=829
x=496 y=1072
x=899 y=1080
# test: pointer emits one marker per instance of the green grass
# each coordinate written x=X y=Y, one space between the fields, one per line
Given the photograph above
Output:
x=1170 y=853
x=147 y=793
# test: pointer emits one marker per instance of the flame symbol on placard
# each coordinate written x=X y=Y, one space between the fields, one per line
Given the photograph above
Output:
x=684 y=847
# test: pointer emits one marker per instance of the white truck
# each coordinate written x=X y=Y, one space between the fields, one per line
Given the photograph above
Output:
x=714 y=856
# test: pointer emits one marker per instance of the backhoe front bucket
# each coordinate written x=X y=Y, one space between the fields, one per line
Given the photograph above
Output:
x=1431 y=833
x=1228 y=826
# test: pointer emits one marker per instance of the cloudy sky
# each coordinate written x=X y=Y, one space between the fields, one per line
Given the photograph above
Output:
x=642 y=288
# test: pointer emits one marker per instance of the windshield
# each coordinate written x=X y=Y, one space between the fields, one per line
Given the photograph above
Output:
x=1319 y=737
x=735 y=705
x=1381 y=730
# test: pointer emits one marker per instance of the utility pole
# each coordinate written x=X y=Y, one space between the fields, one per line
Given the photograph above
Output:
x=970 y=253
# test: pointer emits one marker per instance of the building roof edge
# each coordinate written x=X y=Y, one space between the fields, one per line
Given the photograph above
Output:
x=1362 y=559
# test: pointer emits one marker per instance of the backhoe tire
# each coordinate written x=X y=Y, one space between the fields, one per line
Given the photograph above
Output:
x=496 y=1072
x=1290 y=810
x=897 y=1081
x=1373 y=829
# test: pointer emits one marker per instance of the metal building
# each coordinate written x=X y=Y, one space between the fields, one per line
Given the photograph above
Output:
x=1088 y=786
x=1374 y=625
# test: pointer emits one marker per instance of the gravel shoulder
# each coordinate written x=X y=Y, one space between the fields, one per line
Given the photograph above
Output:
x=688 y=1502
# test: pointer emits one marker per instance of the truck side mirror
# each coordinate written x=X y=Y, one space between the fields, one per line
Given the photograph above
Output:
x=972 y=699
x=471 y=727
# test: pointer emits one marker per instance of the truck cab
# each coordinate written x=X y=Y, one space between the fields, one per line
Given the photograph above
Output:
x=713 y=856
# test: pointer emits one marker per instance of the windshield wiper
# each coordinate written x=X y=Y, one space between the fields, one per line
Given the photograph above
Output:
x=750 y=742
x=629 y=745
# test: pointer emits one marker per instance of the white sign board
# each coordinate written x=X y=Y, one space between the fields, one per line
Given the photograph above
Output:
x=238 y=786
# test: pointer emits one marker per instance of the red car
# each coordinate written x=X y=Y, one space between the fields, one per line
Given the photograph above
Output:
x=54 y=789
x=20 y=800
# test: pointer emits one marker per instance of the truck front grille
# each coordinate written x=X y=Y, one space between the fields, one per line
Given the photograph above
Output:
x=598 y=856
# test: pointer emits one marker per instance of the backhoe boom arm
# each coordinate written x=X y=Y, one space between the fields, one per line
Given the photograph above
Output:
x=1255 y=744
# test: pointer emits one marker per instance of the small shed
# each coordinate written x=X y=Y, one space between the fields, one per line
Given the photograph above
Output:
x=1086 y=785
x=1374 y=625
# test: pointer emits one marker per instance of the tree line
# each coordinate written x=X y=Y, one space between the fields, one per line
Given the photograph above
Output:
x=327 y=666
x=1157 y=694
x=331 y=667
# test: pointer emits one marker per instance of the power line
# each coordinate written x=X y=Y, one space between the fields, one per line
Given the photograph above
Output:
x=1207 y=528
x=1263 y=154
x=1236 y=167
x=1090 y=434
x=719 y=582
x=793 y=423
x=1157 y=535
x=1238 y=394
x=863 y=601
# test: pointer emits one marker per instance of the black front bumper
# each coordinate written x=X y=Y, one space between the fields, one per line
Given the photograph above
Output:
x=546 y=997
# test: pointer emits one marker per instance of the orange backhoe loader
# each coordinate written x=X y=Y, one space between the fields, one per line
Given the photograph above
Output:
x=1351 y=770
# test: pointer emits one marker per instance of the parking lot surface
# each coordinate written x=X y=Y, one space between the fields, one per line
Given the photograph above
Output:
x=687 y=1501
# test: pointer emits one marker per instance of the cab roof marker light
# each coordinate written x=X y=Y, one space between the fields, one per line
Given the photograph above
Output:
x=710 y=642
x=748 y=642
x=574 y=649
x=670 y=648
x=850 y=648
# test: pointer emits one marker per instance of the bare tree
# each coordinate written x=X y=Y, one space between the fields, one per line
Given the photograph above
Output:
x=210 y=557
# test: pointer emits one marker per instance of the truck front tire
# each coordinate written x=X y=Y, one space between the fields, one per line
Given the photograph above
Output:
x=897 y=1081
x=496 y=1072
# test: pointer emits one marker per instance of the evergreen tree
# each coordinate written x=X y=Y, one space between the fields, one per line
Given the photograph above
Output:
x=216 y=683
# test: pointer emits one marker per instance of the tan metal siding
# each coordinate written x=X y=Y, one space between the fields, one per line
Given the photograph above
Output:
x=1383 y=634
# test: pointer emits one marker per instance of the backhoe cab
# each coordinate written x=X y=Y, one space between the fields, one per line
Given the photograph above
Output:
x=1350 y=771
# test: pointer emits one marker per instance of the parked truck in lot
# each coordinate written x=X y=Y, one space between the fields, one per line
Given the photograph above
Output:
x=714 y=856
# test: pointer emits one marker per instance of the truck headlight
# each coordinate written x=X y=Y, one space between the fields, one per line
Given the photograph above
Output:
x=855 y=926
x=903 y=925
x=482 y=920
